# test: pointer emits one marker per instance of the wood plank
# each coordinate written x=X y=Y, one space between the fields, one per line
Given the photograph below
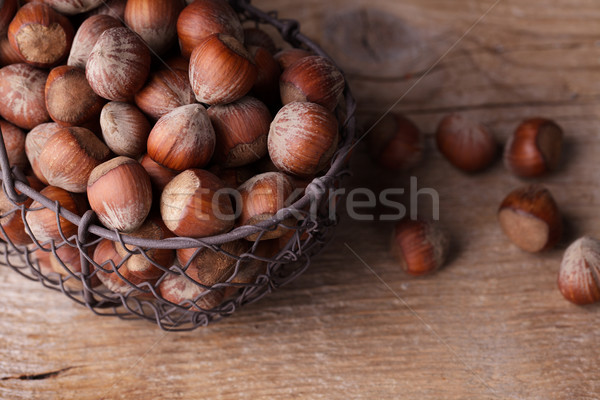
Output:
x=491 y=324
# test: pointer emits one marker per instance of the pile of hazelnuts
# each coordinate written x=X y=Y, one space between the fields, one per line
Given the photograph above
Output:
x=528 y=216
x=142 y=111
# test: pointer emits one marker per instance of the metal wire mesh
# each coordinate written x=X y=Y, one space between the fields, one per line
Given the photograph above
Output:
x=253 y=269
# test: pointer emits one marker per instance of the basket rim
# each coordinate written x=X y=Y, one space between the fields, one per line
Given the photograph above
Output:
x=13 y=178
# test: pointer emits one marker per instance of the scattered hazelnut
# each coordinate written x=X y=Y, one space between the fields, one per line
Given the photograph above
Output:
x=165 y=91
x=221 y=70
x=34 y=142
x=69 y=156
x=530 y=218
x=467 y=144
x=70 y=100
x=120 y=192
x=22 y=94
x=40 y=35
x=535 y=148
x=579 y=275
x=315 y=79
x=42 y=221
x=193 y=205
x=420 y=247
x=395 y=143
x=203 y=18
x=125 y=129
x=241 y=130
x=183 y=138
x=303 y=138
x=118 y=64
x=261 y=198
x=86 y=37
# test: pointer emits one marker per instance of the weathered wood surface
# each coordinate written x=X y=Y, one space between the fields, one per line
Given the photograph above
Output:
x=491 y=324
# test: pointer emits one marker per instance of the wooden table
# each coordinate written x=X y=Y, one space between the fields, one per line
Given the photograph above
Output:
x=491 y=324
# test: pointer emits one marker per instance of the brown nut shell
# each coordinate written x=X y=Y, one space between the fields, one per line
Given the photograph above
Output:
x=395 y=143
x=125 y=129
x=86 y=37
x=579 y=274
x=420 y=247
x=14 y=142
x=22 y=94
x=34 y=142
x=165 y=91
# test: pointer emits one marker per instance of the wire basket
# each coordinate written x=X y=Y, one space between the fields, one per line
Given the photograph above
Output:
x=263 y=270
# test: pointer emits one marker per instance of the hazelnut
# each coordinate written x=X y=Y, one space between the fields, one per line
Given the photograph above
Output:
x=266 y=86
x=165 y=91
x=8 y=8
x=530 y=218
x=72 y=7
x=34 y=142
x=221 y=70
x=22 y=94
x=119 y=191
x=112 y=8
x=40 y=35
x=142 y=265
x=183 y=138
x=159 y=175
x=467 y=144
x=315 y=79
x=395 y=143
x=303 y=138
x=13 y=229
x=535 y=148
x=287 y=57
x=579 y=274
x=420 y=247
x=155 y=21
x=8 y=55
x=86 y=37
x=184 y=292
x=193 y=205
x=252 y=268
x=69 y=156
x=67 y=263
x=241 y=130
x=261 y=198
x=257 y=37
x=125 y=129
x=233 y=177
x=69 y=98
x=203 y=18
x=118 y=64
x=14 y=142
x=42 y=221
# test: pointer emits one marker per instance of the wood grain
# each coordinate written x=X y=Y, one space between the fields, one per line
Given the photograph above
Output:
x=490 y=325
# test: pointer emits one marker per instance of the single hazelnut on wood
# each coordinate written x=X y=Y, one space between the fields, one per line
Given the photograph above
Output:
x=8 y=8
x=420 y=247
x=315 y=79
x=22 y=94
x=203 y=18
x=43 y=222
x=579 y=274
x=13 y=229
x=165 y=91
x=254 y=36
x=395 y=143
x=241 y=130
x=159 y=175
x=34 y=142
x=221 y=70
x=112 y=8
x=182 y=139
x=261 y=198
x=8 y=55
x=118 y=64
x=125 y=129
x=287 y=57
x=535 y=148
x=194 y=204
x=530 y=218
x=186 y=293
x=40 y=35
x=142 y=265
x=120 y=192
x=86 y=37
x=72 y=7
x=302 y=138
x=69 y=156
x=108 y=259
x=69 y=98
x=155 y=21
x=14 y=142
x=467 y=144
